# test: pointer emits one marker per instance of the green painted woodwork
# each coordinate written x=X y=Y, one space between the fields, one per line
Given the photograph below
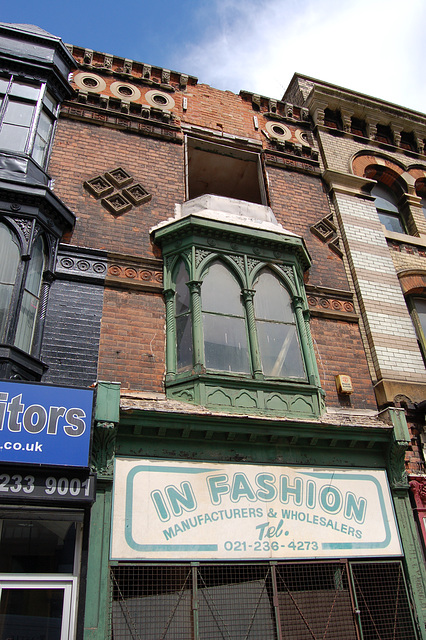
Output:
x=414 y=559
x=96 y=621
x=252 y=439
x=234 y=393
x=107 y=402
x=198 y=241
x=220 y=437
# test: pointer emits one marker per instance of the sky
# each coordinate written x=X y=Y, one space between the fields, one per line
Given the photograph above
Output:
x=376 y=47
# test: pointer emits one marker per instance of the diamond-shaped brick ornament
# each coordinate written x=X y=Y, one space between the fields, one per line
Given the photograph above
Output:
x=98 y=187
x=119 y=177
x=117 y=204
x=137 y=194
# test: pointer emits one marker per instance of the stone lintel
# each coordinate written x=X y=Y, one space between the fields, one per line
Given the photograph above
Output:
x=386 y=391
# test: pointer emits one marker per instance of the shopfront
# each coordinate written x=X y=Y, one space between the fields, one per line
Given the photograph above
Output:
x=210 y=550
x=46 y=492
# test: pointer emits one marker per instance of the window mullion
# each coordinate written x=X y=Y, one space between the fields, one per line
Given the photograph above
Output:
x=197 y=324
x=275 y=600
x=16 y=301
x=311 y=369
x=195 y=601
x=35 y=119
x=248 y=295
x=169 y=296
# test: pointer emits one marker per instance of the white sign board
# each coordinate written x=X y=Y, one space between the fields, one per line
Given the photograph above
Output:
x=197 y=511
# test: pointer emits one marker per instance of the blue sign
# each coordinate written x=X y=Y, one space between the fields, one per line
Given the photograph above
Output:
x=42 y=424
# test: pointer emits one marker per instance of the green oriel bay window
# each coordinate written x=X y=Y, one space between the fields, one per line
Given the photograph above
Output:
x=238 y=336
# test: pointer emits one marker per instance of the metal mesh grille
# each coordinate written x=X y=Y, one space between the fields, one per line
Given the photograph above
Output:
x=235 y=602
x=315 y=601
x=382 y=601
x=151 y=602
x=289 y=601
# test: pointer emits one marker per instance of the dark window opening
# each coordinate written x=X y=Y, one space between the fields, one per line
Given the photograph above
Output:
x=333 y=119
x=223 y=171
x=384 y=134
x=358 y=127
x=408 y=141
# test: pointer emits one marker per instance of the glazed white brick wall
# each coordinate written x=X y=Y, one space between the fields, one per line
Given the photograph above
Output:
x=372 y=262
x=356 y=208
x=380 y=292
x=400 y=327
x=374 y=237
x=400 y=360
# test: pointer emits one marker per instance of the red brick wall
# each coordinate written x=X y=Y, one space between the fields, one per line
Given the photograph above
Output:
x=133 y=340
x=298 y=202
x=339 y=350
x=83 y=151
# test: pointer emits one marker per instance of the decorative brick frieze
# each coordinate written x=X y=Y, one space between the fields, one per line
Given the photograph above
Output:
x=138 y=118
x=407 y=248
x=122 y=67
x=130 y=273
x=290 y=161
x=333 y=304
x=76 y=263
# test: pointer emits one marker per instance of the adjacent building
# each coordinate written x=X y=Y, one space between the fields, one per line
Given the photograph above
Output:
x=240 y=279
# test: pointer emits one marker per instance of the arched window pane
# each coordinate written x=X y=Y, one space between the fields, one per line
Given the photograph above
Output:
x=182 y=291
x=183 y=321
x=221 y=293
x=30 y=298
x=387 y=208
x=276 y=329
x=9 y=262
x=225 y=335
x=272 y=301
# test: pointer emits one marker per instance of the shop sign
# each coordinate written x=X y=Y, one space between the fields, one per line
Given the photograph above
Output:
x=43 y=424
x=19 y=484
x=177 y=510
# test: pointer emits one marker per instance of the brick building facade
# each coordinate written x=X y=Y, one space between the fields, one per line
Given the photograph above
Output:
x=234 y=287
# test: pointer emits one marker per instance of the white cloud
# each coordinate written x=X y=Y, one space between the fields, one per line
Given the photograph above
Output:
x=372 y=46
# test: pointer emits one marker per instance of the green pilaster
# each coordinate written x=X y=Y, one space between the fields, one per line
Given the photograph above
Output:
x=414 y=559
x=169 y=297
x=413 y=554
x=197 y=324
x=107 y=415
x=96 y=621
x=248 y=295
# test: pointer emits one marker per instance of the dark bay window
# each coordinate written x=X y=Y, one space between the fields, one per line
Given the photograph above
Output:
x=35 y=66
x=20 y=284
x=27 y=116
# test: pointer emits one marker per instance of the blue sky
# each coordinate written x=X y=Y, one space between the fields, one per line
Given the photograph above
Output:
x=376 y=47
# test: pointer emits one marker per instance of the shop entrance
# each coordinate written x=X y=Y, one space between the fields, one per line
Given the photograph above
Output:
x=39 y=560
x=273 y=601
